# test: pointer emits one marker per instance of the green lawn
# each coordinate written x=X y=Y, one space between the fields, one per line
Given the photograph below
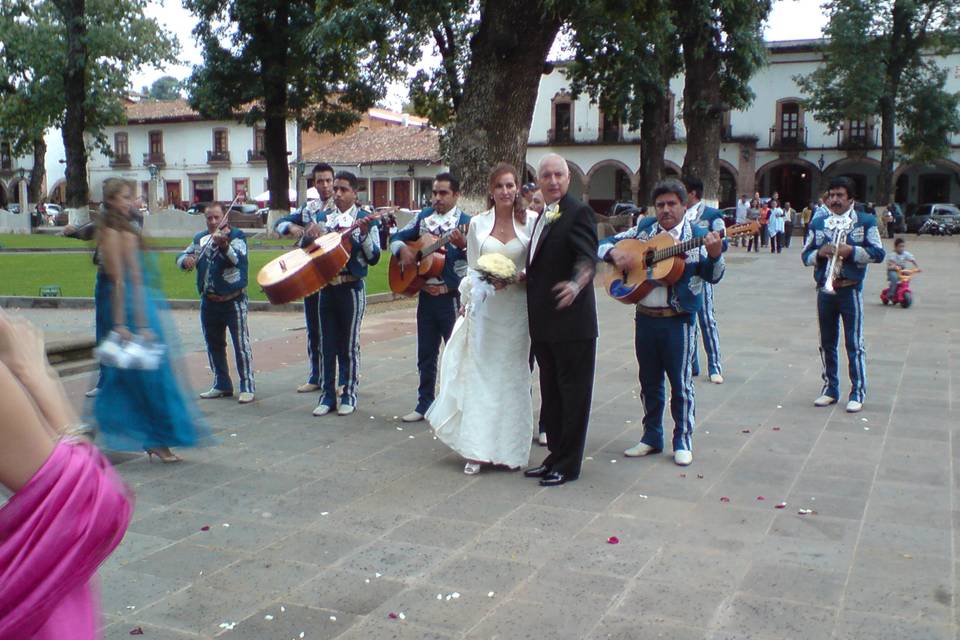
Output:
x=45 y=241
x=22 y=274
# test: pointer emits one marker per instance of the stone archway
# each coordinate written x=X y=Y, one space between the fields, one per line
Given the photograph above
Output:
x=610 y=181
x=794 y=179
x=58 y=192
x=727 y=192
x=864 y=172
x=579 y=183
x=927 y=183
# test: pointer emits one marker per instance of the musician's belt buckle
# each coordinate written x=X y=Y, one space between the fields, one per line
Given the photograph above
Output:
x=839 y=283
x=344 y=279
x=657 y=312
x=437 y=289
x=227 y=298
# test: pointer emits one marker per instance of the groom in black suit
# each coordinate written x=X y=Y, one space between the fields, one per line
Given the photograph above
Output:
x=563 y=320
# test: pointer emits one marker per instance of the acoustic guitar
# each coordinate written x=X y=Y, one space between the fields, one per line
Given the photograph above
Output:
x=431 y=257
x=303 y=271
x=659 y=262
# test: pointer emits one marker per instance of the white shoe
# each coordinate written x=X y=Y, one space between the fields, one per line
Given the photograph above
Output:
x=716 y=378
x=642 y=449
x=345 y=409
x=413 y=416
x=824 y=401
x=307 y=387
x=245 y=397
x=683 y=457
x=853 y=406
x=215 y=393
x=322 y=410
x=471 y=468
x=542 y=439
x=93 y=392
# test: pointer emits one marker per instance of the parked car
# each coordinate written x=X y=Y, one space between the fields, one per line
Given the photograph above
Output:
x=55 y=213
x=246 y=216
x=943 y=213
x=898 y=221
x=729 y=216
x=196 y=209
x=13 y=207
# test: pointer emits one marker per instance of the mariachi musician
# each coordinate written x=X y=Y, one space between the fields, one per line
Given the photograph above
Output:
x=344 y=299
x=303 y=226
x=666 y=320
x=219 y=255
x=438 y=300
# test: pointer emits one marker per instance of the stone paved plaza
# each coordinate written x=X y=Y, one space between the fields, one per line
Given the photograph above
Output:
x=362 y=527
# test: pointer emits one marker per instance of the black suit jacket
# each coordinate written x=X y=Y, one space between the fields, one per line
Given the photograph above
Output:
x=564 y=246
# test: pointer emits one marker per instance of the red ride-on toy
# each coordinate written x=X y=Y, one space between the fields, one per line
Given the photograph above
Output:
x=903 y=296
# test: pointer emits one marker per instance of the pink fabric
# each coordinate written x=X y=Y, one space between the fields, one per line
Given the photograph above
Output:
x=54 y=533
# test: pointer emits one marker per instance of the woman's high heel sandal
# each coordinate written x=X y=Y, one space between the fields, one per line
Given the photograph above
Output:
x=163 y=453
x=471 y=468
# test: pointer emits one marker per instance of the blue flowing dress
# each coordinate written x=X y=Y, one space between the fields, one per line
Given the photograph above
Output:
x=142 y=409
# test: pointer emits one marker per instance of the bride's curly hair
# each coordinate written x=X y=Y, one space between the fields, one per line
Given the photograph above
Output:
x=501 y=169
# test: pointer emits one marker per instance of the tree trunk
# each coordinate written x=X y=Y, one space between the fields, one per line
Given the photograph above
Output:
x=653 y=143
x=39 y=162
x=74 y=91
x=702 y=108
x=493 y=122
x=902 y=15
x=275 y=77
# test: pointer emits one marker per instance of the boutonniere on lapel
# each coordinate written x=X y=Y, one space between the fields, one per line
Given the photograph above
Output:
x=552 y=214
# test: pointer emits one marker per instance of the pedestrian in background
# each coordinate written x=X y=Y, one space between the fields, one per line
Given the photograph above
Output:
x=753 y=215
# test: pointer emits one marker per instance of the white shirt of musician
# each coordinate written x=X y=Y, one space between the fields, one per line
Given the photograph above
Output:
x=658 y=295
x=693 y=213
x=438 y=224
x=343 y=219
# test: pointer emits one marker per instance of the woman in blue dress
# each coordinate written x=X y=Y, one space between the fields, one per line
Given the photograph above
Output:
x=138 y=409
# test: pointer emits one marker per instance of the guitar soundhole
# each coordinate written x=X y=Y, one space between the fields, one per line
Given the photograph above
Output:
x=648 y=259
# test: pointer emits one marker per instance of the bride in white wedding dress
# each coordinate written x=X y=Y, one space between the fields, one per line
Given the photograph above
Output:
x=484 y=410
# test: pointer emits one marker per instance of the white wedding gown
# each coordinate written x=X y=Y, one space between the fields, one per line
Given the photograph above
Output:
x=484 y=410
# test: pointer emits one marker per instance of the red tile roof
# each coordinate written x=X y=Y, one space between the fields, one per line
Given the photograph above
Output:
x=160 y=110
x=381 y=146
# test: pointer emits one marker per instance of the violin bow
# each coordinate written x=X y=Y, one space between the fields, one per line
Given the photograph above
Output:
x=220 y=226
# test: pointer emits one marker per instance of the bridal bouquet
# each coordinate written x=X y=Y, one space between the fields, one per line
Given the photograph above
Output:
x=496 y=270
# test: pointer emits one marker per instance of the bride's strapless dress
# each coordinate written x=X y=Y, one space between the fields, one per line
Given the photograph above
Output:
x=484 y=408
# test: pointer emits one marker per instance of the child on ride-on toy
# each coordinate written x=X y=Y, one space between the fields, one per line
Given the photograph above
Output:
x=896 y=262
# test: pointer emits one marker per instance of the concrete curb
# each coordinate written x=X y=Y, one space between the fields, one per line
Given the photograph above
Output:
x=35 y=302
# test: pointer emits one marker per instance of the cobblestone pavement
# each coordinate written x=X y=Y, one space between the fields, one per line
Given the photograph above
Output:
x=363 y=527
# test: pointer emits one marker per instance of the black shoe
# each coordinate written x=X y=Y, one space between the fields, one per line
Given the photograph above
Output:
x=537 y=472
x=555 y=479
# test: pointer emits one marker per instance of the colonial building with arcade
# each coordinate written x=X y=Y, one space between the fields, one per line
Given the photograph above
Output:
x=772 y=145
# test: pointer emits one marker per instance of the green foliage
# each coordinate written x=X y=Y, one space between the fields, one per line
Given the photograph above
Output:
x=34 y=57
x=927 y=115
x=625 y=55
x=165 y=88
x=875 y=53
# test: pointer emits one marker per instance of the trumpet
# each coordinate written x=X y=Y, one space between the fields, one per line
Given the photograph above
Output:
x=840 y=227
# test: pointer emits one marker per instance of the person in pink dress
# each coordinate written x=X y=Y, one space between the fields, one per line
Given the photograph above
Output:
x=68 y=509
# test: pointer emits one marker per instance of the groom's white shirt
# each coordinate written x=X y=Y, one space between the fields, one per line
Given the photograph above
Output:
x=538 y=231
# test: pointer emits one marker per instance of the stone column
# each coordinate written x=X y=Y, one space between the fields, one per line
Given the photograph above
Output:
x=747 y=168
x=22 y=196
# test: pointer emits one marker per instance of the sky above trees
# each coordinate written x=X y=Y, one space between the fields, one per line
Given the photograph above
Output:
x=789 y=20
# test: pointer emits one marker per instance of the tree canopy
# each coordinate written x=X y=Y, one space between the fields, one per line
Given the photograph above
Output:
x=165 y=88
x=878 y=62
x=67 y=63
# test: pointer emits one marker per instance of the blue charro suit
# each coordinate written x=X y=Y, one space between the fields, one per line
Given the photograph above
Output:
x=709 y=219
x=303 y=217
x=664 y=345
x=847 y=303
x=221 y=283
x=436 y=307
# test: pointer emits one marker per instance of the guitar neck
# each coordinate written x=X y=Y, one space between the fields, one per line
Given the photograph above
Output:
x=682 y=247
x=444 y=239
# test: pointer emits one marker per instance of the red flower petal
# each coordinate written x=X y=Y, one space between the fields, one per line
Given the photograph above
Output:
x=745 y=431
x=760 y=498
x=392 y=615
x=205 y=528
x=724 y=499
x=613 y=540
x=776 y=428
x=781 y=505
x=136 y=632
